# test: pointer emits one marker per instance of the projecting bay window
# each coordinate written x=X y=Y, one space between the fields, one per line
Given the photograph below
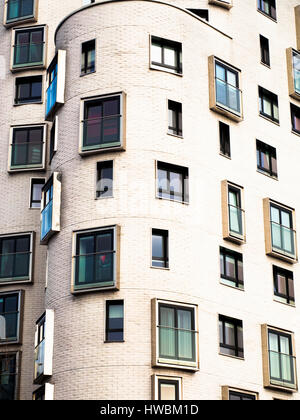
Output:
x=231 y=336
x=280 y=236
x=114 y=321
x=50 y=207
x=20 y=10
x=267 y=7
x=28 y=48
x=172 y=182
x=166 y=388
x=44 y=393
x=44 y=346
x=16 y=258
x=293 y=71
x=96 y=259
x=166 y=55
x=9 y=370
x=227 y=4
x=174 y=335
x=225 y=95
x=283 y=286
x=234 y=394
x=103 y=124
x=53 y=139
x=56 y=84
x=295 y=117
x=279 y=360
x=268 y=104
x=232 y=212
x=231 y=265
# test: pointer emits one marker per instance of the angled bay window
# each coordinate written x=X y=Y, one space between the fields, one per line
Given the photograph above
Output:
x=29 y=48
x=231 y=264
x=233 y=214
x=53 y=139
x=50 y=207
x=231 y=336
x=20 y=10
x=225 y=95
x=16 y=258
x=172 y=182
x=44 y=331
x=96 y=259
x=166 y=55
x=227 y=4
x=268 y=104
x=268 y=7
x=234 y=394
x=10 y=317
x=28 y=90
x=295 y=118
x=103 y=125
x=174 y=335
x=166 y=388
x=293 y=71
x=283 y=285
x=56 y=84
x=266 y=159
x=280 y=235
x=9 y=370
x=27 y=148
x=279 y=360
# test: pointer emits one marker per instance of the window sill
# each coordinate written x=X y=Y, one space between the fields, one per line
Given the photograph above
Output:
x=28 y=67
x=103 y=198
x=232 y=287
x=19 y=21
x=265 y=65
x=175 y=135
x=236 y=239
x=282 y=387
x=165 y=70
x=86 y=74
x=173 y=201
x=225 y=5
x=269 y=119
x=160 y=268
x=114 y=342
x=177 y=364
x=295 y=132
x=87 y=152
x=266 y=15
x=277 y=300
x=267 y=175
x=26 y=169
x=6 y=282
x=29 y=103
x=242 y=359
x=225 y=156
x=90 y=288
x=8 y=343
x=283 y=257
x=227 y=113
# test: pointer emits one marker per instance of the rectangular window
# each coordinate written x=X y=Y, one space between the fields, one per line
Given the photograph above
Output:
x=268 y=7
x=166 y=54
x=175 y=118
x=114 y=320
x=102 y=123
x=50 y=207
x=224 y=131
x=10 y=307
x=44 y=346
x=296 y=71
x=283 y=285
x=36 y=192
x=95 y=259
x=20 y=10
x=172 y=182
x=28 y=90
x=233 y=214
x=202 y=13
x=27 y=148
x=282 y=230
x=231 y=264
x=53 y=139
x=104 y=186
x=15 y=258
x=231 y=336
x=268 y=104
x=295 y=116
x=88 y=52
x=266 y=159
x=8 y=376
x=28 y=49
x=264 y=50
x=228 y=94
x=44 y=393
x=160 y=251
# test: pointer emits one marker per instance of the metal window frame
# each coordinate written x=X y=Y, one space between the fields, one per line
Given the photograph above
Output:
x=236 y=323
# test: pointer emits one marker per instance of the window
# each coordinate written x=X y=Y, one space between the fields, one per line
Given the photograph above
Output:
x=36 y=192
x=8 y=376
x=268 y=7
x=223 y=3
x=264 y=50
x=174 y=334
x=53 y=139
x=28 y=90
x=55 y=95
x=231 y=336
x=279 y=359
x=175 y=118
x=166 y=388
x=44 y=346
x=268 y=104
x=234 y=394
x=88 y=57
x=15 y=258
x=160 y=251
x=50 y=207
x=172 y=182
x=232 y=212
x=28 y=49
x=96 y=260
x=283 y=285
x=27 y=148
x=293 y=71
x=10 y=308
x=104 y=186
x=102 y=124
x=295 y=116
x=224 y=131
x=202 y=13
x=114 y=320
x=166 y=55
x=19 y=10
x=231 y=264
x=266 y=159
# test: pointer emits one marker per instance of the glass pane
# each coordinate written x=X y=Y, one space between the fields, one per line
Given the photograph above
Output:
x=167 y=316
x=230 y=267
x=229 y=334
x=167 y=391
x=267 y=106
x=169 y=56
x=220 y=72
x=275 y=215
x=156 y=53
x=273 y=342
x=281 y=285
x=231 y=78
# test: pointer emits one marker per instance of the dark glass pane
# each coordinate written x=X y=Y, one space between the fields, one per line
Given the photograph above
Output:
x=158 y=246
x=114 y=335
x=104 y=241
x=11 y=303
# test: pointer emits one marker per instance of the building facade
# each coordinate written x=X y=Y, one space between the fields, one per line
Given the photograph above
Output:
x=149 y=226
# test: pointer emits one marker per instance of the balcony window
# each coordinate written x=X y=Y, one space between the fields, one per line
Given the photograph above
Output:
x=102 y=124
x=283 y=286
x=104 y=186
x=50 y=209
x=10 y=307
x=15 y=258
x=233 y=214
x=264 y=50
x=268 y=7
x=56 y=84
x=8 y=376
x=166 y=55
x=114 y=321
x=88 y=52
x=224 y=132
x=166 y=388
x=27 y=148
x=44 y=346
x=28 y=90
x=266 y=159
x=231 y=264
x=160 y=251
x=172 y=182
x=268 y=104
x=28 y=49
x=19 y=10
x=295 y=117
x=175 y=118
x=282 y=230
x=95 y=261
x=231 y=336
x=228 y=94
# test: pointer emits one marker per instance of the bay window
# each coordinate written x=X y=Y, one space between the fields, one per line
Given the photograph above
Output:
x=233 y=212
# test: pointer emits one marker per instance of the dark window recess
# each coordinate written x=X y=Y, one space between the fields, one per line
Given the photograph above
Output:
x=231 y=264
x=282 y=232
x=268 y=104
x=284 y=285
x=104 y=186
x=88 y=57
x=36 y=193
x=266 y=158
x=224 y=131
x=264 y=50
x=240 y=396
x=281 y=358
x=168 y=389
x=172 y=182
x=39 y=394
x=9 y=317
x=115 y=320
x=160 y=251
x=27 y=147
x=268 y=7
x=52 y=147
x=175 y=118
x=28 y=90
x=295 y=116
x=29 y=47
x=15 y=257
x=202 y=13
x=166 y=53
x=8 y=375
x=231 y=336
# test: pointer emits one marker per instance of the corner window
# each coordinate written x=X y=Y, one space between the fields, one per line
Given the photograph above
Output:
x=283 y=285
x=10 y=308
x=27 y=148
x=264 y=50
x=114 y=321
x=231 y=264
x=166 y=54
x=268 y=104
x=88 y=52
x=268 y=7
x=266 y=159
x=224 y=132
x=28 y=90
x=231 y=336
x=104 y=187
x=19 y=10
x=175 y=118
x=28 y=49
x=44 y=393
x=295 y=117
x=44 y=346
x=36 y=192
x=232 y=212
x=50 y=207
x=160 y=251
x=8 y=376
x=172 y=182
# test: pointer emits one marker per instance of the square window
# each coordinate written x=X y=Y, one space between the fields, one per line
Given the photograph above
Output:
x=104 y=186
x=231 y=336
x=28 y=90
x=20 y=10
x=283 y=285
x=231 y=265
x=264 y=50
x=175 y=118
x=88 y=52
x=36 y=192
x=172 y=182
x=114 y=321
x=224 y=132
x=160 y=248
x=166 y=54
x=268 y=104
x=266 y=159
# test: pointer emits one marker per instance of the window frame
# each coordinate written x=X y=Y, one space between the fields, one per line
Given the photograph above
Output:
x=226 y=390
x=31 y=191
x=227 y=4
x=269 y=15
x=264 y=51
x=30 y=81
x=166 y=260
x=54 y=182
x=238 y=257
x=288 y=275
x=107 y=329
x=20 y=311
x=157 y=379
x=236 y=323
x=53 y=139
x=103 y=164
x=17 y=355
x=266 y=148
x=229 y=234
x=55 y=82
x=175 y=46
x=176 y=108
x=181 y=170
x=85 y=73
x=224 y=139
x=47 y=323
x=273 y=98
x=22 y=19
x=47 y=390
